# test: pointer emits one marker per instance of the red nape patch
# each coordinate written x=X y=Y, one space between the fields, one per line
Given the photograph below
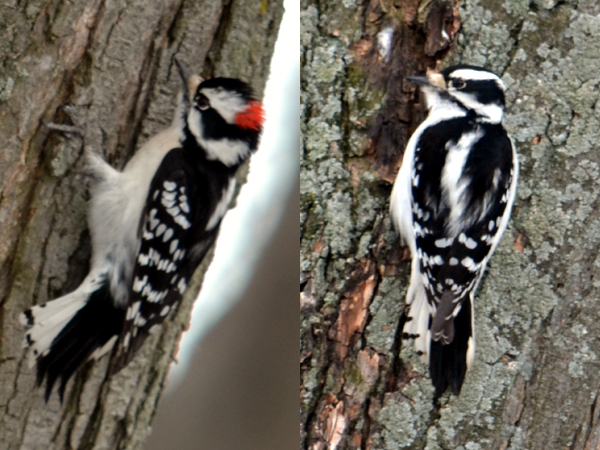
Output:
x=252 y=117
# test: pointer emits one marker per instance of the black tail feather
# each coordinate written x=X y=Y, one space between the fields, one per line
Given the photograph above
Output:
x=91 y=328
x=448 y=363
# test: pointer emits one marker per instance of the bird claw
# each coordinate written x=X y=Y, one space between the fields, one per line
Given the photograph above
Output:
x=69 y=129
x=71 y=112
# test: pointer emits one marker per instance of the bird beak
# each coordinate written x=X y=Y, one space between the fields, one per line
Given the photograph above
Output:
x=433 y=79
x=184 y=73
x=190 y=82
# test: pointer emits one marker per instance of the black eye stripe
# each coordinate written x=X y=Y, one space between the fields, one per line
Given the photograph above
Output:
x=458 y=83
x=486 y=92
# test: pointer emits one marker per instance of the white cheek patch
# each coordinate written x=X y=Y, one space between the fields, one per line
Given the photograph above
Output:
x=228 y=151
x=492 y=112
x=440 y=108
x=226 y=103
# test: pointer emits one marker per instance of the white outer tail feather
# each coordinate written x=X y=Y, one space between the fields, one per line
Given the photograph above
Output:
x=471 y=343
x=420 y=313
x=48 y=322
x=50 y=318
x=417 y=323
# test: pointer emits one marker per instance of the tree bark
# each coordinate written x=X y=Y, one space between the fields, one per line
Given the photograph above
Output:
x=535 y=381
x=113 y=61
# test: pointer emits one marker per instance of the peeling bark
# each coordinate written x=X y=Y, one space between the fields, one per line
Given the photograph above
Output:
x=535 y=380
x=113 y=62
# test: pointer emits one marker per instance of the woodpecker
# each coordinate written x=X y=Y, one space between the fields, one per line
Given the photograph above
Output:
x=451 y=202
x=151 y=225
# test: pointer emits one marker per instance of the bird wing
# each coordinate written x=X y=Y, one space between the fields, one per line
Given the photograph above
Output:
x=457 y=212
x=173 y=241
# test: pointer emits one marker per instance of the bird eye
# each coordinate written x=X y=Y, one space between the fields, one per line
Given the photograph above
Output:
x=458 y=83
x=202 y=102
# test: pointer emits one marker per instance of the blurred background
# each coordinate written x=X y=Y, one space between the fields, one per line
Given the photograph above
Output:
x=236 y=382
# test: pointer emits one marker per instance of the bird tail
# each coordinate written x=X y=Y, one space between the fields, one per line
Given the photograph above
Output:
x=448 y=363
x=64 y=333
x=418 y=320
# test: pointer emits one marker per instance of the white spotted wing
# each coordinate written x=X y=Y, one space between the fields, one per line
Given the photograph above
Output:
x=173 y=241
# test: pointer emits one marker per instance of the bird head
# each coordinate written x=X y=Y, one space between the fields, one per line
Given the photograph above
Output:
x=468 y=88
x=222 y=115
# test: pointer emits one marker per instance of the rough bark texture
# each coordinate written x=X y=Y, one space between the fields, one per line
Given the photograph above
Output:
x=535 y=381
x=113 y=61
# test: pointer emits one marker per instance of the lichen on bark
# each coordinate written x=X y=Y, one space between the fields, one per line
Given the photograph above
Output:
x=535 y=381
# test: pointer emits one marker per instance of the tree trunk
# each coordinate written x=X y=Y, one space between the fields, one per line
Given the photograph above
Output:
x=113 y=61
x=535 y=381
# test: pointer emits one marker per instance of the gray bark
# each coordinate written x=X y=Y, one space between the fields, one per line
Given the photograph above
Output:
x=113 y=61
x=535 y=380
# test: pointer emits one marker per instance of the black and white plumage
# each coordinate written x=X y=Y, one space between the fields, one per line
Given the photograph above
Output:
x=451 y=203
x=151 y=225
